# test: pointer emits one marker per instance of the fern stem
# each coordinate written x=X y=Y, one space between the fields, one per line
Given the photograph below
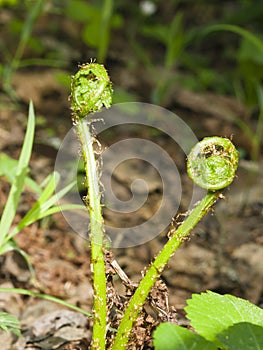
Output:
x=157 y=267
x=211 y=164
x=96 y=235
x=91 y=91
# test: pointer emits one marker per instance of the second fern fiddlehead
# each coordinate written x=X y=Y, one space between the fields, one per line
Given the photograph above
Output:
x=212 y=163
x=203 y=163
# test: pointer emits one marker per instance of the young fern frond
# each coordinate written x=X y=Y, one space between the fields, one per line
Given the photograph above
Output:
x=91 y=91
x=209 y=153
x=211 y=164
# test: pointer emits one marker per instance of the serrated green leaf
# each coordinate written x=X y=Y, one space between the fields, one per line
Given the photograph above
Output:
x=211 y=313
x=169 y=336
x=9 y=323
x=242 y=336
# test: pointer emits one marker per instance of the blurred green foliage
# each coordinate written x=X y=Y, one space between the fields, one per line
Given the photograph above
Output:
x=155 y=35
x=8 y=2
x=98 y=19
x=250 y=65
x=171 y=42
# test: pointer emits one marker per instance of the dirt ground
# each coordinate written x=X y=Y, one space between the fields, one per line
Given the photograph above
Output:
x=223 y=254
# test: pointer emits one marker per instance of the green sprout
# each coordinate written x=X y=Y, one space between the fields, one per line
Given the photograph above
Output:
x=211 y=164
x=17 y=173
x=91 y=90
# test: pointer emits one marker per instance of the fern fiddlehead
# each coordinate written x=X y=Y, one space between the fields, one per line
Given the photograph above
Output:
x=91 y=91
x=212 y=163
x=203 y=163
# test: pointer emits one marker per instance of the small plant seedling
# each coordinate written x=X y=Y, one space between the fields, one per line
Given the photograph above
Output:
x=212 y=164
x=46 y=202
x=221 y=322
x=9 y=323
x=16 y=172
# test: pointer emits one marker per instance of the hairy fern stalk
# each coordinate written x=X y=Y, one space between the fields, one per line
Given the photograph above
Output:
x=91 y=91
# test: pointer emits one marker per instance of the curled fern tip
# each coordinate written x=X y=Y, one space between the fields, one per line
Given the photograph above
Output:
x=90 y=90
x=212 y=163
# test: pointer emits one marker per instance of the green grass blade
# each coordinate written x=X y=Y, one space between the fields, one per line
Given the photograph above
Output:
x=24 y=223
x=60 y=208
x=238 y=30
x=51 y=182
x=46 y=297
x=42 y=208
x=11 y=245
x=33 y=13
x=18 y=184
x=32 y=185
x=51 y=201
x=104 y=35
x=8 y=169
x=37 y=210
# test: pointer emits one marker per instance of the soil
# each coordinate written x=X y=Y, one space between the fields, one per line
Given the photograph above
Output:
x=224 y=252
